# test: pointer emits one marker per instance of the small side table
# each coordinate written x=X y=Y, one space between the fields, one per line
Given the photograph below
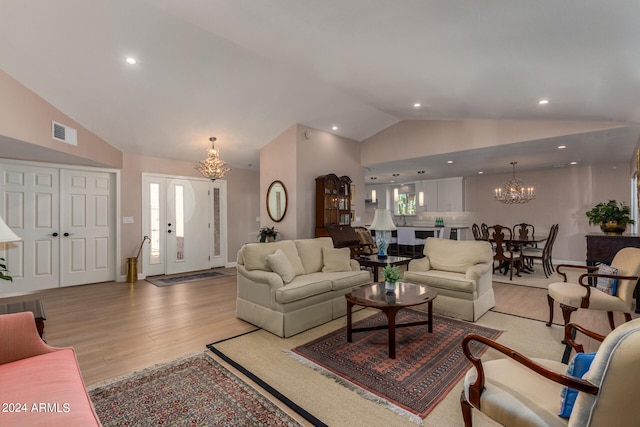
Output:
x=376 y=262
x=34 y=306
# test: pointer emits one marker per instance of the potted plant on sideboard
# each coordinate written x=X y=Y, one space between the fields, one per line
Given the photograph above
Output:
x=612 y=217
x=267 y=234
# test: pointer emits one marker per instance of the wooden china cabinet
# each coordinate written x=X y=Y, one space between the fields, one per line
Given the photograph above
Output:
x=333 y=202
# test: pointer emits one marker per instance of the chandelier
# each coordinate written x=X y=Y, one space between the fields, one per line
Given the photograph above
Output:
x=212 y=167
x=513 y=190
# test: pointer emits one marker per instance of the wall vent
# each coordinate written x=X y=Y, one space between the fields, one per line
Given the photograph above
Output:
x=63 y=133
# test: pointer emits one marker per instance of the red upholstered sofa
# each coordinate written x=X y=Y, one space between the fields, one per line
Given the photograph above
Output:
x=40 y=385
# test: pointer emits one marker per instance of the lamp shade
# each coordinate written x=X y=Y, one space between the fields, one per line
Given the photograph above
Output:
x=382 y=221
x=6 y=235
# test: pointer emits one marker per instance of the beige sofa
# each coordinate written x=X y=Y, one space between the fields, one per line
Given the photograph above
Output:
x=462 y=273
x=290 y=286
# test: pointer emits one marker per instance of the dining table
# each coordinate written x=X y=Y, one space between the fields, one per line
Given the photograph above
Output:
x=515 y=244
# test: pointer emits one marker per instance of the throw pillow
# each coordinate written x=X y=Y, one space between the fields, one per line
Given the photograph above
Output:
x=279 y=263
x=605 y=284
x=578 y=366
x=335 y=260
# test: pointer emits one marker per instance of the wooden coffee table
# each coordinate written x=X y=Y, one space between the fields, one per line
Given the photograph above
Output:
x=374 y=296
x=375 y=262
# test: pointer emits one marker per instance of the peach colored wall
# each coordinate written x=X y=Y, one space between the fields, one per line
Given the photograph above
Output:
x=25 y=116
x=321 y=154
x=417 y=138
x=242 y=200
x=278 y=162
x=563 y=195
x=297 y=161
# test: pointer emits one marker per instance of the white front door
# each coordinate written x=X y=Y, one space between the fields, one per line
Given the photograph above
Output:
x=87 y=227
x=184 y=219
x=187 y=226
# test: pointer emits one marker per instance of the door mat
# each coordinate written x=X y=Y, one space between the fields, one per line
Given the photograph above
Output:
x=186 y=278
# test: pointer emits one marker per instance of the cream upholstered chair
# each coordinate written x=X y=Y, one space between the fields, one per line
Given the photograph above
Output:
x=518 y=391
x=573 y=296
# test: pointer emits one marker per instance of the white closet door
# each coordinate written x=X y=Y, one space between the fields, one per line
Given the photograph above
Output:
x=87 y=227
x=29 y=205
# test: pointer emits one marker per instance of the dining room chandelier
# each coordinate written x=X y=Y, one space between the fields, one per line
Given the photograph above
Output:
x=513 y=191
x=212 y=167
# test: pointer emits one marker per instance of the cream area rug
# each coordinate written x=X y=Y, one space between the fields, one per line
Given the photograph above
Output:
x=264 y=355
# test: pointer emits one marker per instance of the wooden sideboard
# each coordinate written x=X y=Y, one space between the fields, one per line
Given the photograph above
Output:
x=601 y=248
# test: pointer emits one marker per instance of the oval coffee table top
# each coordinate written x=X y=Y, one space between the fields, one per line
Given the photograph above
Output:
x=405 y=295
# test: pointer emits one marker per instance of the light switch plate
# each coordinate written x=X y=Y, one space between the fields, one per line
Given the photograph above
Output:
x=127 y=220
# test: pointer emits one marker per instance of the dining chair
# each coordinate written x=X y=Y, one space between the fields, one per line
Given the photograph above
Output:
x=543 y=254
x=573 y=296
x=444 y=233
x=500 y=237
x=475 y=229
x=484 y=231
x=524 y=231
x=516 y=390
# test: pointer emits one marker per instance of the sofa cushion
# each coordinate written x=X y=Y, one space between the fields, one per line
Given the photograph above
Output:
x=335 y=260
x=279 y=264
x=303 y=287
x=310 y=252
x=347 y=280
x=52 y=378
x=255 y=255
x=442 y=279
x=455 y=255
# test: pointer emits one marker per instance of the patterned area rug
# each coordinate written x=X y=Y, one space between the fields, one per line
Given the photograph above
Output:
x=426 y=368
x=195 y=391
x=185 y=278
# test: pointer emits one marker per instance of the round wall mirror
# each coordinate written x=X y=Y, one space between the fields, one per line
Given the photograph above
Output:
x=276 y=201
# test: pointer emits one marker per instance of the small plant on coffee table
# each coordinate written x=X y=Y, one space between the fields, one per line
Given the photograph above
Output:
x=391 y=274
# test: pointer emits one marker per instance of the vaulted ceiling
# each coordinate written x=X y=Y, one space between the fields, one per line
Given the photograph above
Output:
x=246 y=70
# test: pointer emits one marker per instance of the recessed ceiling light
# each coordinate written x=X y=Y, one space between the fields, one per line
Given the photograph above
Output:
x=130 y=60
x=417 y=105
x=573 y=163
x=480 y=173
x=335 y=128
x=543 y=102
x=449 y=161
x=561 y=147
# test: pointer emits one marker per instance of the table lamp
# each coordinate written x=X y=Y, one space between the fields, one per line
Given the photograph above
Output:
x=6 y=235
x=382 y=222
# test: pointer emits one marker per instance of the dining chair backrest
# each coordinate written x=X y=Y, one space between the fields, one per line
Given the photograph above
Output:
x=523 y=230
x=499 y=235
x=484 y=231
x=475 y=228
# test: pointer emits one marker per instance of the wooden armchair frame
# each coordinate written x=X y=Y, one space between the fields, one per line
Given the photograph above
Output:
x=476 y=389
x=567 y=310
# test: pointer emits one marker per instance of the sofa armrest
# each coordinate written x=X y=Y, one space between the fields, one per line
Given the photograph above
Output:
x=355 y=265
x=420 y=264
x=476 y=271
x=269 y=278
x=19 y=337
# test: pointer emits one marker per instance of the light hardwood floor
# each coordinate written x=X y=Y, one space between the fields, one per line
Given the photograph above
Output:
x=119 y=328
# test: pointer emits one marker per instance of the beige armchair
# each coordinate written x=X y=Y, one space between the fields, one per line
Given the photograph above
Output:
x=518 y=391
x=573 y=296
